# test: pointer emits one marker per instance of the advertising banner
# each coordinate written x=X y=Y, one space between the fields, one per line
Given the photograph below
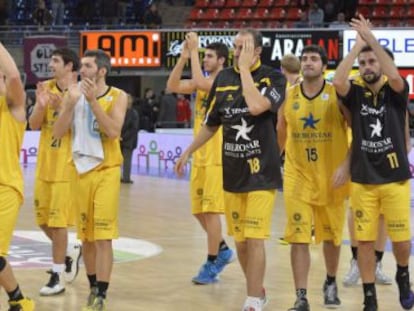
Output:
x=37 y=53
x=128 y=49
x=174 y=39
x=276 y=44
x=401 y=43
x=408 y=74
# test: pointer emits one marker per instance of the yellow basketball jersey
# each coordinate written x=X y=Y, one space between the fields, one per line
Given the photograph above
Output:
x=111 y=147
x=210 y=153
x=11 y=139
x=54 y=155
x=316 y=145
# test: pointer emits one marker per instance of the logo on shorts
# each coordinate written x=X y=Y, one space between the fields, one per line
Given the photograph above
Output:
x=359 y=214
x=297 y=217
x=235 y=215
x=36 y=202
x=199 y=191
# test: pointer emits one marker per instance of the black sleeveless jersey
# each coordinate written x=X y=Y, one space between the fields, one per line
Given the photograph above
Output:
x=250 y=152
x=379 y=152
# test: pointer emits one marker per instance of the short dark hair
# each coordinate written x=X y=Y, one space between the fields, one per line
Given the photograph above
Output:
x=313 y=48
x=220 y=48
x=257 y=36
x=367 y=48
x=102 y=59
x=68 y=56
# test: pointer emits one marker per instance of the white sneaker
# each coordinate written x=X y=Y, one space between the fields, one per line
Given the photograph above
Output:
x=54 y=287
x=72 y=263
x=352 y=277
x=264 y=299
x=380 y=277
x=253 y=304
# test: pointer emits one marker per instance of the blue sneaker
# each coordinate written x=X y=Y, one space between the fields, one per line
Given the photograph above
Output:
x=406 y=294
x=208 y=274
x=224 y=257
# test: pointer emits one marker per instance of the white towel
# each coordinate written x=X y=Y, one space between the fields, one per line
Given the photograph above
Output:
x=87 y=150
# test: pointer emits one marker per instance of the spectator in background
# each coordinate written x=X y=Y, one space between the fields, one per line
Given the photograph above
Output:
x=303 y=21
x=340 y=22
x=148 y=111
x=183 y=111
x=41 y=15
x=109 y=12
x=315 y=16
x=303 y=5
x=129 y=140
x=152 y=18
x=330 y=9
x=168 y=110
x=58 y=12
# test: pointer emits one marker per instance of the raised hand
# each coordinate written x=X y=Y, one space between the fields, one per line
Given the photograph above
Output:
x=192 y=41
x=363 y=27
x=42 y=95
x=73 y=94
x=247 y=57
x=89 y=89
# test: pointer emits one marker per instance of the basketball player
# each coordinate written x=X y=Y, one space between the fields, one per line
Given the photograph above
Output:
x=12 y=127
x=53 y=195
x=379 y=163
x=207 y=194
x=97 y=189
x=315 y=174
x=244 y=100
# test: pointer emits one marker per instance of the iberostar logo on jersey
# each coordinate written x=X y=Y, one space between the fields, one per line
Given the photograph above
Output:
x=310 y=130
x=31 y=249
x=243 y=146
x=375 y=142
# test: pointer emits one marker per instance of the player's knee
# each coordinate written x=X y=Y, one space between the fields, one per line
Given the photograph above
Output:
x=3 y=263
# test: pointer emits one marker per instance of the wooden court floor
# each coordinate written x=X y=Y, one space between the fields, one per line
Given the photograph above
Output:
x=157 y=210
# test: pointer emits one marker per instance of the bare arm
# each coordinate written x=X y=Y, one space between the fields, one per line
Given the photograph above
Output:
x=206 y=132
x=174 y=82
x=255 y=101
x=281 y=128
x=341 y=78
x=201 y=82
x=64 y=121
x=387 y=64
x=16 y=96
x=40 y=108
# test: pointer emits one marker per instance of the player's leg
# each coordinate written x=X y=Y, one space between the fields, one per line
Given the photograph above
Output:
x=380 y=276
x=352 y=276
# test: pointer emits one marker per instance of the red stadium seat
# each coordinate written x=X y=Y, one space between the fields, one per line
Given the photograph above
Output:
x=210 y=14
x=265 y=3
x=399 y=2
x=196 y=14
x=249 y=3
x=383 y=2
x=244 y=13
x=226 y=14
x=364 y=11
x=239 y=24
x=261 y=14
x=218 y=3
x=293 y=14
x=394 y=23
x=379 y=12
x=233 y=3
x=202 y=3
x=397 y=12
x=256 y=24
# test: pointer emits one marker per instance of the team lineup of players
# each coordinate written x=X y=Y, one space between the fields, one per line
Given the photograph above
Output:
x=250 y=112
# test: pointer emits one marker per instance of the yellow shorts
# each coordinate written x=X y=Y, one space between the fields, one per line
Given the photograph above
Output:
x=10 y=202
x=207 y=194
x=328 y=221
x=249 y=214
x=97 y=200
x=54 y=204
x=392 y=200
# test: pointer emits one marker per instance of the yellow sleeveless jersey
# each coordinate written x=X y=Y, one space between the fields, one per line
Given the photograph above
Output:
x=54 y=155
x=316 y=145
x=111 y=147
x=11 y=139
x=210 y=153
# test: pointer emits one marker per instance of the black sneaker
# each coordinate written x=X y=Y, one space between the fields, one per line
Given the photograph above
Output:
x=406 y=294
x=301 y=304
x=330 y=294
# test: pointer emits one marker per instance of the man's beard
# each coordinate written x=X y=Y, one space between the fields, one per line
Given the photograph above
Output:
x=371 y=78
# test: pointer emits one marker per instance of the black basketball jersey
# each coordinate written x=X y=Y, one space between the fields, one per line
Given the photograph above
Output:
x=249 y=151
x=379 y=152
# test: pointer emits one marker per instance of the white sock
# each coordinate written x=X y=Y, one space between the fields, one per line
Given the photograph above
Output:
x=254 y=302
x=58 y=268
